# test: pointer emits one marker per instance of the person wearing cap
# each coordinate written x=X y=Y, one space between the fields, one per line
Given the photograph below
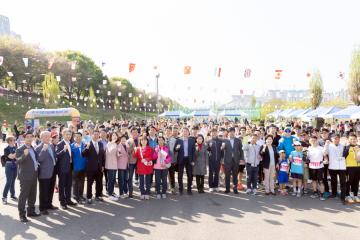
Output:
x=286 y=142
x=283 y=175
x=270 y=159
x=352 y=157
x=47 y=160
x=296 y=159
x=28 y=164
x=337 y=165
x=315 y=156
x=233 y=153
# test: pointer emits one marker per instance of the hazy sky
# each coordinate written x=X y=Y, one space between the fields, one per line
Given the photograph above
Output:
x=263 y=35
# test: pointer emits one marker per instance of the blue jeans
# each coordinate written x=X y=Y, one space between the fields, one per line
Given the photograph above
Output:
x=145 y=180
x=161 y=180
x=123 y=181
x=132 y=168
x=10 y=172
x=252 y=176
x=111 y=174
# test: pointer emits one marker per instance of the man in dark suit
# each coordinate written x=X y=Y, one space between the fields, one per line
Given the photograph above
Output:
x=232 y=156
x=185 y=147
x=95 y=156
x=63 y=153
x=47 y=160
x=215 y=150
x=27 y=161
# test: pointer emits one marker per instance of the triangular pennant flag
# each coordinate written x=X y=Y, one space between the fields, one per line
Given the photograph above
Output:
x=10 y=74
x=103 y=64
x=278 y=74
x=241 y=91
x=26 y=62
x=308 y=74
x=73 y=65
x=218 y=72
x=1 y=60
x=58 y=78
x=247 y=73
x=73 y=79
x=131 y=67
x=341 y=75
x=51 y=62
x=187 y=70
x=104 y=82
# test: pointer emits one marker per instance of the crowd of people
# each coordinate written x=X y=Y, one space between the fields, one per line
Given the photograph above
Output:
x=279 y=158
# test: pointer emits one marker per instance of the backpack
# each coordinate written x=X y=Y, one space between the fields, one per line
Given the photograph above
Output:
x=3 y=160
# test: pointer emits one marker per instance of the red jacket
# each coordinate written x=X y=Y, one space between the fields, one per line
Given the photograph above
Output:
x=147 y=154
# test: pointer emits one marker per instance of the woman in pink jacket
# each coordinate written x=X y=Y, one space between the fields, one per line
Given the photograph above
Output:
x=163 y=159
x=122 y=163
x=111 y=164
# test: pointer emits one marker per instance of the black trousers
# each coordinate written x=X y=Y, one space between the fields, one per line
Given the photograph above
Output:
x=106 y=180
x=172 y=175
x=326 y=183
x=91 y=177
x=261 y=176
x=353 y=175
x=231 y=169
x=200 y=182
x=28 y=190
x=52 y=186
x=188 y=168
x=65 y=182
x=334 y=182
x=44 y=194
x=78 y=184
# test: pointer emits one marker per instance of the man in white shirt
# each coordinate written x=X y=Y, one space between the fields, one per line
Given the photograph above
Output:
x=315 y=156
x=337 y=165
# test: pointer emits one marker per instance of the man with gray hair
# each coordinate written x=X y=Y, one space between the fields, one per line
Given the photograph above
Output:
x=47 y=160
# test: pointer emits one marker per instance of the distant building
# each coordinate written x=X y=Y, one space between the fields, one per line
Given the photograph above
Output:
x=5 y=29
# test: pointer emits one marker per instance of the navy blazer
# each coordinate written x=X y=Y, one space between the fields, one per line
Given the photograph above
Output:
x=94 y=161
x=63 y=158
x=191 y=150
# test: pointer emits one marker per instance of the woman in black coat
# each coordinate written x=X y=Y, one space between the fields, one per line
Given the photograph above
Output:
x=270 y=158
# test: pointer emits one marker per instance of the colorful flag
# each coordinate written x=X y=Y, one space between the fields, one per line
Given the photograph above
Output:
x=278 y=74
x=73 y=65
x=131 y=67
x=1 y=60
x=218 y=72
x=103 y=64
x=241 y=91
x=341 y=75
x=187 y=70
x=51 y=62
x=247 y=73
x=308 y=74
x=26 y=62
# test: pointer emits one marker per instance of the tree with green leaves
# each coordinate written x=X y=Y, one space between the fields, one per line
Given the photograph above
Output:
x=50 y=90
x=316 y=89
x=354 y=77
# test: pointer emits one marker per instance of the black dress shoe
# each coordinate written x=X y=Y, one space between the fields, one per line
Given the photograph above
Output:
x=71 y=203
x=23 y=219
x=236 y=191
x=227 y=191
x=130 y=195
x=189 y=192
x=45 y=212
x=33 y=214
x=52 y=207
x=64 y=207
x=99 y=199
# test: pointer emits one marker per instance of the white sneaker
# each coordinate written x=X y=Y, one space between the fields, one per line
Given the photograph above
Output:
x=349 y=199
x=112 y=198
x=254 y=192
x=163 y=196
x=114 y=195
x=211 y=190
x=293 y=194
x=158 y=196
x=123 y=196
x=248 y=191
x=142 y=197
x=217 y=189
x=147 y=197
